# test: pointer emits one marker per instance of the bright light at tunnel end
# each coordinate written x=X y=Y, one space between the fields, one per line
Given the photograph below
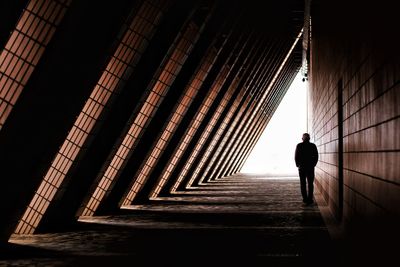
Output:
x=273 y=154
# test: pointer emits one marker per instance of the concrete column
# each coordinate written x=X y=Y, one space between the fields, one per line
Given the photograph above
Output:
x=47 y=107
x=269 y=110
x=176 y=105
x=223 y=113
x=218 y=107
x=181 y=146
x=134 y=140
x=246 y=120
x=131 y=65
x=252 y=73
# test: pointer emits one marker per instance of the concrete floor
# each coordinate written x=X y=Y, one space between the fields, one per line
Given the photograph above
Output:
x=242 y=220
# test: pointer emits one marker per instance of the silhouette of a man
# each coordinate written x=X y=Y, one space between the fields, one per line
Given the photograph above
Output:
x=306 y=157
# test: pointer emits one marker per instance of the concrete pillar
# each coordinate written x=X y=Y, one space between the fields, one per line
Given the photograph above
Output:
x=252 y=71
x=132 y=53
x=221 y=116
x=46 y=108
x=248 y=117
x=217 y=107
x=177 y=103
x=181 y=146
x=269 y=110
x=124 y=159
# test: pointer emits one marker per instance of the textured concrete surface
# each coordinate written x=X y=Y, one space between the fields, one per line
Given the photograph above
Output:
x=242 y=220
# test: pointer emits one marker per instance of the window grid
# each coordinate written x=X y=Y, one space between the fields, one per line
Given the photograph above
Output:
x=159 y=87
x=114 y=74
x=215 y=140
x=25 y=47
x=210 y=126
x=195 y=125
x=174 y=121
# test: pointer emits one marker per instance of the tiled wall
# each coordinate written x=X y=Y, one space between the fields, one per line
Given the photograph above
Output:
x=355 y=69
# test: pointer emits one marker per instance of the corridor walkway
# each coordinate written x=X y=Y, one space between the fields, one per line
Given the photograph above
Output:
x=243 y=220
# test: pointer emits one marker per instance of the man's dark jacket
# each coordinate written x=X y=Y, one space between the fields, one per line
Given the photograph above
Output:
x=306 y=155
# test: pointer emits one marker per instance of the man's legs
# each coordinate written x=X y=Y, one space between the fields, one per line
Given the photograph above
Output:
x=310 y=181
x=303 y=177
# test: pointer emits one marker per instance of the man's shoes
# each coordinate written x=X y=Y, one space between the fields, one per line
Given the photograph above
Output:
x=309 y=202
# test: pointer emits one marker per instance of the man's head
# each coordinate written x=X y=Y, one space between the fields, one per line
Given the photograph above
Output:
x=306 y=137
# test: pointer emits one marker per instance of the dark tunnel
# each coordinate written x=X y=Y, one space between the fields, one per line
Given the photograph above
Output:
x=124 y=127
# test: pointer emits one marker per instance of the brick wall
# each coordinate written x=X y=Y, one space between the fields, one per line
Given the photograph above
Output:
x=355 y=69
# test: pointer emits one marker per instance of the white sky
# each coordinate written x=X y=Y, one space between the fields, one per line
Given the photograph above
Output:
x=274 y=152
